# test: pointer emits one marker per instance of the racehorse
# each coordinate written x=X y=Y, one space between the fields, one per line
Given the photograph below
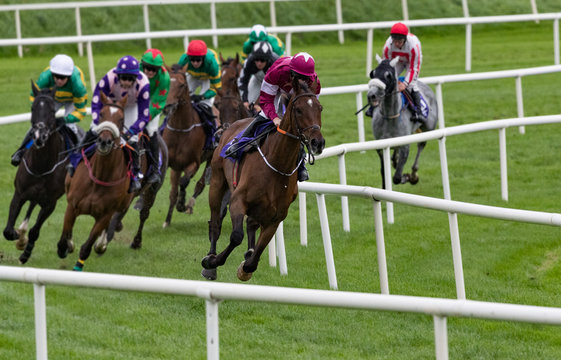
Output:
x=40 y=175
x=391 y=119
x=267 y=181
x=99 y=186
x=230 y=105
x=185 y=139
x=148 y=192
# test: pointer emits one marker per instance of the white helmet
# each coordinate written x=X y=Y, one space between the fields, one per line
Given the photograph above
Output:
x=62 y=65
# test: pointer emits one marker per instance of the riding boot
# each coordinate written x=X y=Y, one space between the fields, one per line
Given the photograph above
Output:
x=25 y=144
x=153 y=160
x=75 y=156
x=302 y=171
x=135 y=185
x=418 y=113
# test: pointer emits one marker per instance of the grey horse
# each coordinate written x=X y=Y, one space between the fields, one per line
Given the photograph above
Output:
x=391 y=119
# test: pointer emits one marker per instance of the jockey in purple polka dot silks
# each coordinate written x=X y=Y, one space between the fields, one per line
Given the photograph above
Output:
x=125 y=79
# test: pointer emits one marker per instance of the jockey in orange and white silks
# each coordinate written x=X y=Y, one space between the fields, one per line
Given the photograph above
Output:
x=407 y=46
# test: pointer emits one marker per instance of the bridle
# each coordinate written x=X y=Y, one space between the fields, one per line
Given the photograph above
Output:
x=41 y=126
x=390 y=87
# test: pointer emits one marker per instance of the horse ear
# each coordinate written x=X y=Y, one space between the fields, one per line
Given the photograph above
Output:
x=123 y=101
x=221 y=58
x=184 y=68
x=34 y=88
x=371 y=74
x=378 y=58
x=394 y=61
x=295 y=85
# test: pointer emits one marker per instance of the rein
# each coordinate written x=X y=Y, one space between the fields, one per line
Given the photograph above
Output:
x=55 y=166
x=96 y=180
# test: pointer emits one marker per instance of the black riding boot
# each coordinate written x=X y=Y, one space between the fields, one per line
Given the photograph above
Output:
x=87 y=140
x=302 y=171
x=154 y=158
x=135 y=185
x=418 y=113
x=18 y=155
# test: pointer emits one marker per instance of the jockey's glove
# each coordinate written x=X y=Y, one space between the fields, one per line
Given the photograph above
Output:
x=197 y=98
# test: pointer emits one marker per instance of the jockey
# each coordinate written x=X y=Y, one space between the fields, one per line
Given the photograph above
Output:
x=278 y=81
x=407 y=46
x=71 y=93
x=152 y=65
x=124 y=79
x=259 y=33
x=251 y=77
x=203 y=71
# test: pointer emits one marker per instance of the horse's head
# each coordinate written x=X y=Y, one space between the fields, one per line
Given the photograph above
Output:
x=111 y=123
x=43 y=120
x=383 y=80
x=230 y=72
x=303 y=116
x=178 y=89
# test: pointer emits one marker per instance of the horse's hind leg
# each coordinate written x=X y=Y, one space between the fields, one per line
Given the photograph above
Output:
x=403 y=154
x=116 y=221
x=199 y=187
x=86 y=249
x=183 y=183
x=414 y=178
x=249 y=265
x=66 y=237
x=35 y=230
x=149 y=198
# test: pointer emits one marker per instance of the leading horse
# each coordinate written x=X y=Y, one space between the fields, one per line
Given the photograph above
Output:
x=99 y=186
x=391 y=119
x=267 y=182
x=40 y=176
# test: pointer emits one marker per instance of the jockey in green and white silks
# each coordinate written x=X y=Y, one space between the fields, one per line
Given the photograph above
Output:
x=259 y=33
x=71 y=93
x=152 y=65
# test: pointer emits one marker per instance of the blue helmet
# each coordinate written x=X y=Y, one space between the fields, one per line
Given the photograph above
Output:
x=127 y=65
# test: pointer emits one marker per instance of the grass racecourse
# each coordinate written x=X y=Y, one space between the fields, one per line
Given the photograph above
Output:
x=502 y=261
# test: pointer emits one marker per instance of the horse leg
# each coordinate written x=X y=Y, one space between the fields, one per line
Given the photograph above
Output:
x=174 y=181
x=101 y=244
x=399 y=177
x=44 y=213
x=15 y=207
x=65 y=241
x=190 y=171
x=381 y=156
x=100 y=225
x=149 y=198
x=251 y=227
x=22 y=229
x=249 y=265
x=414 y=178
x=199 y=187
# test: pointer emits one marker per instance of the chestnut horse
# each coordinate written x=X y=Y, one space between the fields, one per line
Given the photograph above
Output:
x=99 y=186
x=185 y=138
x=230 y=104
x=266 y=184
x=40 y=175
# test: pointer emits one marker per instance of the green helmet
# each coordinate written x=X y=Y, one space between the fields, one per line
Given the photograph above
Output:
x=258 y=33
x=153 y=57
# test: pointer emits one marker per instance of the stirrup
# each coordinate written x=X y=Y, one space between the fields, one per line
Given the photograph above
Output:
x=134 y=186
x=154 y=178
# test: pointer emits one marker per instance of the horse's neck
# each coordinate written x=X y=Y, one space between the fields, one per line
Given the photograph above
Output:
x=282 y=150
x=109 y=167
x=47 y=156
x=183 y=117
x=391 y=105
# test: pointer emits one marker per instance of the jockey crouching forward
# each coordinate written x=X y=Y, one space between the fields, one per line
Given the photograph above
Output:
x=125 y=79
x=203 y=71
x=152 y=65
x=278 y=81
x=71 y=93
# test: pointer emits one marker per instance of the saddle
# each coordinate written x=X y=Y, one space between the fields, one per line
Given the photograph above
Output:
x=248 y=139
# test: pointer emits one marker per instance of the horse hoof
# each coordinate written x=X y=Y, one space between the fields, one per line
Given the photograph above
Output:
x=242 y=275
x=181 y=208
x=414 y=180
x=119 y=226
x=189 y=210
x=209 y=274
x=136 y=245
x=248 y=254
x=21 y=243
x=100 y=249
x=11 y=235
x=70 y=245
x=165 y=224
x=23 y=259
x=62 y=254
x=206 y=262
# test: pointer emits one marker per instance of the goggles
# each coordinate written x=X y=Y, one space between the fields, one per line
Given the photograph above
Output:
x=196 y=58
x=148 y=67
x=60 y=77
x=127 y=77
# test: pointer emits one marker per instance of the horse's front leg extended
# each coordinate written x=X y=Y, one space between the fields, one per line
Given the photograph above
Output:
x=414 y=179
x=381 y=156
x=403 y=154
x=248 y=266
x=86 y=249
x=66 y=236
x=35 y=230
x=15 y=207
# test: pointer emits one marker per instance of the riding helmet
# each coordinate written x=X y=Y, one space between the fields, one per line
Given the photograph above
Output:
x=153 y=57
x=303 y=64
x=196 y=48
x=62 y=65
x=399 y=29
x=258 y=33
x=262 y=50
x=127 y=65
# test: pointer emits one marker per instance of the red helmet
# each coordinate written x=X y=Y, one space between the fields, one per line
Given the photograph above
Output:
x=196 y=48
x=399 y=29
x=303 y=63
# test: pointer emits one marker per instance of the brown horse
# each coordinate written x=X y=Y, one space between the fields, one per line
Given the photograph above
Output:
x=267 y=181
x=99 y=186
x=185 y=139
x=230 y=105
x=40 y=175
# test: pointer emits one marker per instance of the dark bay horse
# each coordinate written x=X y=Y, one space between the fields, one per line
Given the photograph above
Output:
x=40 y=175
x=391 y=119
x=148 y=192
x=267 y=181
x=185 y=138
x=99 y=186
x=230 y=105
